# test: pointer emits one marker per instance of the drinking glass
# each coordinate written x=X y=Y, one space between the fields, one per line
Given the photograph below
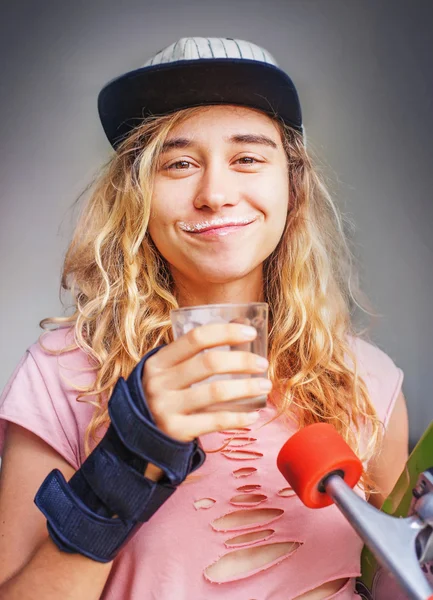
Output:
x=254 y=314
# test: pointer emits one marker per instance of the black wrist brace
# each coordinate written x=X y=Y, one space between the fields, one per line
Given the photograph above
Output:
x=108 y=498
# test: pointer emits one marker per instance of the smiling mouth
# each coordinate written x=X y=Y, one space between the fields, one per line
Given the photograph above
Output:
x=220 y=231
x=218 y=223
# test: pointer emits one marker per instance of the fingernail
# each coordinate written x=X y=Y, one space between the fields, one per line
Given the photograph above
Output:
x=262 y=362
x=266 y=384
x=249 y=332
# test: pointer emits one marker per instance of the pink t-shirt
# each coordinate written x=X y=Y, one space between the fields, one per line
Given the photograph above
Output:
x=190 y=549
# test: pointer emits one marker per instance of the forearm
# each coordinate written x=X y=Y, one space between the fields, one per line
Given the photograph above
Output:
x=81 y=512
x=52 y=574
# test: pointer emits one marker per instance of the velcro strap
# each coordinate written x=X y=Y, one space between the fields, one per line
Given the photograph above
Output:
x=111 y=479
x=143 y=438
x=135 y=385
x=128 y=493
x=94 y=536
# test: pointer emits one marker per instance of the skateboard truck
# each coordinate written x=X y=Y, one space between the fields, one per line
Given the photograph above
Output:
x=422 y=505
x=322 y=469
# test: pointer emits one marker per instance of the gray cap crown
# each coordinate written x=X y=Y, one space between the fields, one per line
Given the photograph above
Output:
x=194 y=48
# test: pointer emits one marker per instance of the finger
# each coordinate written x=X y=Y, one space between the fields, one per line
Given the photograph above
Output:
x=217 y=392
x=246 y=346
x=201 y=338
x=193 y=426
x=214 y=362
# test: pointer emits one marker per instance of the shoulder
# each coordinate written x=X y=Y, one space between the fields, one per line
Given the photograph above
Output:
x=56 y=353
x=41 y=395
x=380 y=373
x=55 y=343
x=63 y=366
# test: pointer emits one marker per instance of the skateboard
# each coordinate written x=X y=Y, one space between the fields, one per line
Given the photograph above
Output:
x=376 y=583
x=397 y=560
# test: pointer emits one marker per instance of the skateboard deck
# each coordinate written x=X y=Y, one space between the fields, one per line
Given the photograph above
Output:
x=375 y=582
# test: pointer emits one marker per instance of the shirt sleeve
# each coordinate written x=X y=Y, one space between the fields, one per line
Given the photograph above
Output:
x=383 y=378
x=397 y=382
x=34 y=399
x=386 y=383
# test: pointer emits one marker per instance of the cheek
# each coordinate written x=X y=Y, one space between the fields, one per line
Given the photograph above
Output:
x=158 y=221
x=278 y=205
x=165 y=210
x=283 y=193
x=161 y=206
x=169 y=200
x=274 y=195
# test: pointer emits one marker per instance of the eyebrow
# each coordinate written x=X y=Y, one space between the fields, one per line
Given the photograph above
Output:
x=238 y=138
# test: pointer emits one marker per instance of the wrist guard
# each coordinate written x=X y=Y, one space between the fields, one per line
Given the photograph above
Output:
x=108 y=499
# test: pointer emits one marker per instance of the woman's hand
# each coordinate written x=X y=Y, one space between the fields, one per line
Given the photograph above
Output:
x=167 y=376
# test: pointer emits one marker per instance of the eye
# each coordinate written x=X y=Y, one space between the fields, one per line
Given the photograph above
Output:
x=178 y=165
x=249 y=160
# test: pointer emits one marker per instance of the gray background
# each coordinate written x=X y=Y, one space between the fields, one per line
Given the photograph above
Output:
x=364 y=73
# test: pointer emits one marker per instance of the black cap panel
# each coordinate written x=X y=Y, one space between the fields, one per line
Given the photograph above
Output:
x=166 y=88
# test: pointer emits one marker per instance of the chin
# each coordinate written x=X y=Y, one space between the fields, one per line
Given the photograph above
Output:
x=224 y=276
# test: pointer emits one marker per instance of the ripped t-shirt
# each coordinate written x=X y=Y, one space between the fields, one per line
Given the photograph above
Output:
x=235 y=529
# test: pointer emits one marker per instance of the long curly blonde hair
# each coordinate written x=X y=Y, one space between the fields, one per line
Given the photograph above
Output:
x=123 y=292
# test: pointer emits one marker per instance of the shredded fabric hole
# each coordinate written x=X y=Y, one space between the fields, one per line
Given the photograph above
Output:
x=245 y=519
x=250 y=538
x=204 y=503
x=239 y=564
x=249 y=488
x=242 y=454
x=327 y=591
x=238 y=442
x=248 y=499
x=245 y=472
x=286 y=492
x=240 y=430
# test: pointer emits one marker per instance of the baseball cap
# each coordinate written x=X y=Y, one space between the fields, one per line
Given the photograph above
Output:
x=198 y=71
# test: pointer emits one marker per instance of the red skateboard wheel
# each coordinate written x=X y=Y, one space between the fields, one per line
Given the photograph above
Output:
x=310 y=455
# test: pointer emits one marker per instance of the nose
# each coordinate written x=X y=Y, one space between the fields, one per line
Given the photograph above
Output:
x=215 y=188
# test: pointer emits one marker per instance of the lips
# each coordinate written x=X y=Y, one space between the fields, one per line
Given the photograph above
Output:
x=222 y=233
x=219 y=223
x=224 y=226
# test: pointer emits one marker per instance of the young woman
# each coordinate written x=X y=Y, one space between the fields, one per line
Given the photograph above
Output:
x=159 y=498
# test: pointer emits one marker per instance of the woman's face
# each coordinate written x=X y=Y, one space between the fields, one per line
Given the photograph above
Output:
x=222 y=163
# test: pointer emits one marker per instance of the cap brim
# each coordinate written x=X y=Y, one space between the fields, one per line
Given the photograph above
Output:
x=162 y=89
